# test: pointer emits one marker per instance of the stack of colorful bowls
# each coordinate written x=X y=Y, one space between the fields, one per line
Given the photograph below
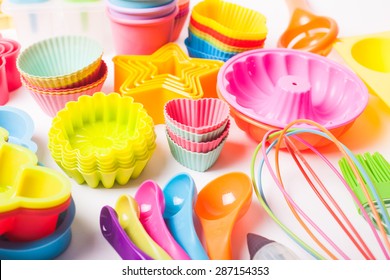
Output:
x=61 y=69
x=102 y=138
x=220 y=30
x=142 y=27
x=181 y=17
x=196 y=130
x=32 y=199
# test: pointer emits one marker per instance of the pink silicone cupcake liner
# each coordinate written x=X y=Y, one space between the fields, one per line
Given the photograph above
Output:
x=52 y=103
x=197 y=116
x=276 y=86
x=198 y=147
x=195 y=137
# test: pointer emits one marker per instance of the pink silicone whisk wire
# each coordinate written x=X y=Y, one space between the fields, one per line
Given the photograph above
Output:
x=340 y=147
x=295 y=153
x=293 y=205
x=261 y=197
x=353 y=195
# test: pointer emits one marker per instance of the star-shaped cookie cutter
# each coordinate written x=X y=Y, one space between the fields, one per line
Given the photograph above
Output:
x=166 y=74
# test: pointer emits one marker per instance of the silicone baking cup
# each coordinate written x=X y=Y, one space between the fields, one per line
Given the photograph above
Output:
x=102 y=138
x=60 y=62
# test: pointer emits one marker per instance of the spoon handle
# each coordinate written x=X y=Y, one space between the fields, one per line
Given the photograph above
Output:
x=218 y=237
x=117 y=237
x=184 y=233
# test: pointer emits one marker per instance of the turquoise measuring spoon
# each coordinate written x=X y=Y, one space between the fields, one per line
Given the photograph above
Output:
x=151 y=203
x=180 y=195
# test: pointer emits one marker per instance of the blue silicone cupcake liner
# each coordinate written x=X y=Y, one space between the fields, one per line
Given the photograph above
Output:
x=204 y=46
x=192 y=52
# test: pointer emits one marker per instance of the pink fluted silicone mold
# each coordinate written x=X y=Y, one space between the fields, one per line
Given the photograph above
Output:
x=197 y=116
x=198 y=147
x=277 y=86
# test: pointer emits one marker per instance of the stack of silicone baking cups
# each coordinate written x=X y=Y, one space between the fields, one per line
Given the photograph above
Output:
x=61 y=69
x=9 y=74
x=36 y=207
x=102 y=139
x=220 y=30
x=141 y=27
x=181 y=17
x=196 y=130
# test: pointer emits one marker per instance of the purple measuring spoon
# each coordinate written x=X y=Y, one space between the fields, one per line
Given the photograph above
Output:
x=117 y=237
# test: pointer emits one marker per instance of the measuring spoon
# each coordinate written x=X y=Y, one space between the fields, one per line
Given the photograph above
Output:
x=219 y=205
x=307 y=31
x=150 y=198
x=128 y=215
x=180 y=194
x=117 y=237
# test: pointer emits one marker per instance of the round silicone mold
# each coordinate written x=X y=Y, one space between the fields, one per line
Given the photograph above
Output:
x=276 y=86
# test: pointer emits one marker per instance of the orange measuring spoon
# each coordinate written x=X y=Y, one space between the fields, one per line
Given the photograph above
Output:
x=308 y=32
x=219 y=205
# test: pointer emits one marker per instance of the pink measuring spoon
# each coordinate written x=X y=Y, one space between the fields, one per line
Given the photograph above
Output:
x=150 y=199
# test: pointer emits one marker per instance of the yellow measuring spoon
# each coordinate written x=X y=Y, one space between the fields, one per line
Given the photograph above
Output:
x=128 y=214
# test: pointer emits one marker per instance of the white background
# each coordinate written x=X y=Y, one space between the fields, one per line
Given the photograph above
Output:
x=371 y=132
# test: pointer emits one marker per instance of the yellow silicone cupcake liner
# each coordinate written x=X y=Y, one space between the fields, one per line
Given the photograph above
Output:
x=99 y=135
x=230 y=19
